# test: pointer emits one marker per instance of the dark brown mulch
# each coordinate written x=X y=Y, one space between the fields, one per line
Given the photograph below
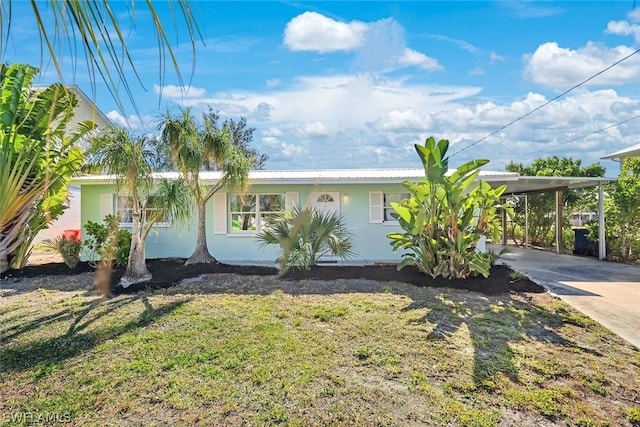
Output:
x=170 y=271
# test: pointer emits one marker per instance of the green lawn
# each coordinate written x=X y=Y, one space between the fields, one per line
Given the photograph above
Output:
x=199 y=355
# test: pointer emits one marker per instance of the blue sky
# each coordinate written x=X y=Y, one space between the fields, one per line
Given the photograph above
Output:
x=356 y=84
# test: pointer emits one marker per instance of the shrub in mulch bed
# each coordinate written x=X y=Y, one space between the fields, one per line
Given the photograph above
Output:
x=170 y=271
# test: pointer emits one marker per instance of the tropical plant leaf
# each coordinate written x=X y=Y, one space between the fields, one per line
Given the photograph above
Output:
x=444 y=220
x=91 y=29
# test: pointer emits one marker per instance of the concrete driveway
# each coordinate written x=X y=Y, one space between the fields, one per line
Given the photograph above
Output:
x=607 y=292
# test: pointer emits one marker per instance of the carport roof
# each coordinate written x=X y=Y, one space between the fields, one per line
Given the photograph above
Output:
x=543 y=184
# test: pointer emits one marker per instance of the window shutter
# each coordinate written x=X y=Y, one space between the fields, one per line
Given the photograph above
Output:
x=106 y=205
x=220 y=213
x=376 y=207
x=291 y=199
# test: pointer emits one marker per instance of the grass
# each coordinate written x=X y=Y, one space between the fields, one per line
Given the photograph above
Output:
x=404 y=355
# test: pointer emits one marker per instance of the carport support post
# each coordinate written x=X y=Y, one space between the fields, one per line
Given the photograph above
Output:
x=526 y=221
x=558 y=220
x=602 y=247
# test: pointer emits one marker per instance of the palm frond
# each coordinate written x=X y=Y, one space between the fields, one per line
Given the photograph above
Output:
x=92 y=30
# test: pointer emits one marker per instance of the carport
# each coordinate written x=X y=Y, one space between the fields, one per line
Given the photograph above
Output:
x=527 y=185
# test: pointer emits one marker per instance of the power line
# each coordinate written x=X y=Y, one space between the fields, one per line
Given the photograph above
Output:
x=585 y=135
x=546 y=103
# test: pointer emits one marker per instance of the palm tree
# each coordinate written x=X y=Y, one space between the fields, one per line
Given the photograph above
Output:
x=305 y=236
x=193 y=148
x=95 y=29
x=38 y=156
x=131 y=161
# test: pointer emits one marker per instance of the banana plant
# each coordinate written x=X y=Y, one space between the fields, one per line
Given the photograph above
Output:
x=38 y=156
x=447 y=215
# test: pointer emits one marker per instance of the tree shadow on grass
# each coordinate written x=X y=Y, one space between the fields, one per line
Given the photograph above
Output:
x=494 y=325
x=44 y=356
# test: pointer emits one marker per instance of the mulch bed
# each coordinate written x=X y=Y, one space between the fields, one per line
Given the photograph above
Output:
x=171 y=271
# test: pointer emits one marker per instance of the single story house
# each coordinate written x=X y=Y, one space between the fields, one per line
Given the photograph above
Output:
x=362 y=196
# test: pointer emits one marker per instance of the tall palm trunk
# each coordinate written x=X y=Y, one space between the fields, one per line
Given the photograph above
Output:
x=201 y=253
x=136 y=271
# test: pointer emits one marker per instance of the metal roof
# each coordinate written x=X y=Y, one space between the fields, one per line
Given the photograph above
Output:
x=543 y=184
x=515 y=183
x=621 y=154
x=324 y=176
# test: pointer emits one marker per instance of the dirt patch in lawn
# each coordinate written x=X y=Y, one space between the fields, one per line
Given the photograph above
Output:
x=172 y=271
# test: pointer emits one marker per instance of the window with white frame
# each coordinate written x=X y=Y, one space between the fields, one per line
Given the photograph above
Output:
x=388 y=210
x=250 y=212
x=124 y=208
x=380 y=209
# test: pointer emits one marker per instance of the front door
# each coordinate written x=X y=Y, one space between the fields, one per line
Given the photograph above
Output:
x=326 y=201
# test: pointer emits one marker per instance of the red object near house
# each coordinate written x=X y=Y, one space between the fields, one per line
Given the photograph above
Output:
x=71 y=234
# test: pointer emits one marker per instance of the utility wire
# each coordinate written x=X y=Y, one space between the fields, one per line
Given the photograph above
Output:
x=585 y=135
x=546 y=103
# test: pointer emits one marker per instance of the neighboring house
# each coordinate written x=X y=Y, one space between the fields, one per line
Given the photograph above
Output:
x=620 y=155
x=233 y=219
x=87 y=110
x=70 y=220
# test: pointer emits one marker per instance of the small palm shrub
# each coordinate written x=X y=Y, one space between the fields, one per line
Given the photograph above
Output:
x=107 y=241
x=446 y=217
x=306 y=235
x=68 y=248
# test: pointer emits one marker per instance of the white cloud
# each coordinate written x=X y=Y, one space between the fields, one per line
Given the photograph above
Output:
x=312 y=31
x=462 y=44
x=495 y=57
x=544 y=133
x=367 y=121
x=292 y=150
x=337 y=113
x=384 y=50
x=173 y=91
x=626 y=28
x=400 y=121
x=477 y=72
x=561 y=68
x=272 y=131
x=353 y=99
x=634 y=15
x=134 y=122
x=311 y=130
x=271 y=141
x=282 y=152
x=273 y=82
x=411 y=57
x=379 y=46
